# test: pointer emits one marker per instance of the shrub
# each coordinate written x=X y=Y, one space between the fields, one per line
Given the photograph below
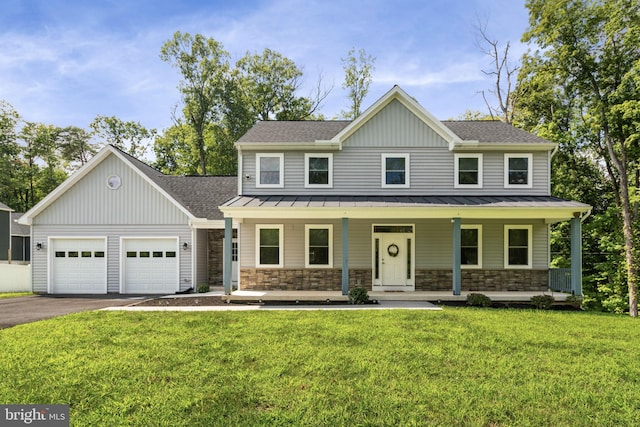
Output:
x=358 y=296
x=478 y=300
x=542 y=302
x=574 y=301
x=202 y=288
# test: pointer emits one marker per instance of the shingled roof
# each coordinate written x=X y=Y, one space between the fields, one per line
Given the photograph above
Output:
x=486 y=131
x=200 y=195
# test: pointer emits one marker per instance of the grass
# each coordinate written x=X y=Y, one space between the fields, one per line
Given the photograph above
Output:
x=458 y=367
x=14 y=294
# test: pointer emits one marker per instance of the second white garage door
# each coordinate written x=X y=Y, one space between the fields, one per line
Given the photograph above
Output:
x=150 y=266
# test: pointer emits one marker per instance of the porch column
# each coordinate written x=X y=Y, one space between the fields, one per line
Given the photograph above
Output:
x=457 y=270
x=345 y=256
x=228 y=238
x=576 y=256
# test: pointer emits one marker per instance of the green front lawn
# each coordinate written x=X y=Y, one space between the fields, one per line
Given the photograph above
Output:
x=14 y=294
x=466 y=367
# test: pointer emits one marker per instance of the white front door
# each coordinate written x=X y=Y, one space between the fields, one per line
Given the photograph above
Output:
x=393 y=258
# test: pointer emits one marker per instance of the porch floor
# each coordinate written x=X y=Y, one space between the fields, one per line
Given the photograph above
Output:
x=510 y=296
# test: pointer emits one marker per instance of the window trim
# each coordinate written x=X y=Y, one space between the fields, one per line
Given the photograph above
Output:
x=472 y=227
x=308 y=156
x=457 y=158
x=308 y=227
x=529 y=157
x=529 y=229
x=280 y=184
x=280 y=228
x=407 y=170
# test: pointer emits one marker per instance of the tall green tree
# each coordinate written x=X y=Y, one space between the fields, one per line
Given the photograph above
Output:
x=128 y=136
x=76 y=147
x=590 y=50
x=9 y=152
x=358 y=67
x=204 y=67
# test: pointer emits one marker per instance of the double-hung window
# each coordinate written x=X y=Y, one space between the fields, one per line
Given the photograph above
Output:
x=395 y=170
x=517 y=246
x=471 y=246
x=517 y=170
x=468 y=171
x=318 y=170
x=270 y=170
x=269 y=245
x=319 y=246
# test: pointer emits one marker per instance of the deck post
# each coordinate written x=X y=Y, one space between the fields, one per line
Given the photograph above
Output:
x=576 y=256
x=228 y=239
x=345 y=256
x=457 y=270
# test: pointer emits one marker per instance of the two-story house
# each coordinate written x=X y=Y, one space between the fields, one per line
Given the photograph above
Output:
x=396 y=200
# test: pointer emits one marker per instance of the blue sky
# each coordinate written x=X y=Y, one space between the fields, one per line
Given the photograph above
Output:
x=65 y=61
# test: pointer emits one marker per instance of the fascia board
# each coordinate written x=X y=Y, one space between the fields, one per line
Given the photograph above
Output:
x=558 y=213
x=503 y=146
x=283 y=146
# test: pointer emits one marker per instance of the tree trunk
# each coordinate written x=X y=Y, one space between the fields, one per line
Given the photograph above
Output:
x=629 y=246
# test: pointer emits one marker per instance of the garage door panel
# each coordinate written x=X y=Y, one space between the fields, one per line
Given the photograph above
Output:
x=78 y=266
x=150 y=265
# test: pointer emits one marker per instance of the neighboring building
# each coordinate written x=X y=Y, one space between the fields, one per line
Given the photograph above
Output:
x=119 y=226
x=396 y=200
x=20 y=240
x=5 y=231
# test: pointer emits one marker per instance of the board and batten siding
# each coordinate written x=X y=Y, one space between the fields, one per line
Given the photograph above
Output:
x=90 y=201
x=113 y=252
x=434 y=242
x=357 y=168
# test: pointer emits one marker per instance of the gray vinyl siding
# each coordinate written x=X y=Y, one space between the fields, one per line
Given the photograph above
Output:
x=42 y=233
x=434 y=242
x=357 y=168
x=90 y=201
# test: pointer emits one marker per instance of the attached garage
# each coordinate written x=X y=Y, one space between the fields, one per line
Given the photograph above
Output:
x=149 y=265
x=78 y=266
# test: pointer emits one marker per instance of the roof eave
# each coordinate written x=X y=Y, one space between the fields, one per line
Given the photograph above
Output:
x=279 y=146
x=504 y=146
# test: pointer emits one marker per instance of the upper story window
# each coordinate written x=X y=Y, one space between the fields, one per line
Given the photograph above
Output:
x=468 y=171
x=517 y=246
x=270 y=170
x=395 y=171
x=318 y=170
x=517 y=170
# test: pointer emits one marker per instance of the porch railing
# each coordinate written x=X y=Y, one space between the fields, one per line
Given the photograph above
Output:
x=560 y=279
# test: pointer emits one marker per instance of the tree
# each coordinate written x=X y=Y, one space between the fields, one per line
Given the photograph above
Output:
x=503 y=74
x=590 y=52
x=75 y=147
x=9 y=151
x=204 y=67
x=127 y=136
x=357 y=70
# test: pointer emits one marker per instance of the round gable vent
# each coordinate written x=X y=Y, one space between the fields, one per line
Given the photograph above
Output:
x=114 y=182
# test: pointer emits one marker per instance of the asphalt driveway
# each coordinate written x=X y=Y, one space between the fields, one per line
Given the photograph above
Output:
x=15 y=311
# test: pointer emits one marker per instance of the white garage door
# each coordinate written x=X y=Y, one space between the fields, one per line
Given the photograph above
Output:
x=78 y=266
x=150 y=266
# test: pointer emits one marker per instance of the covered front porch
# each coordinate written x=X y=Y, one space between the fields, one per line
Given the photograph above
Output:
x=421 y=238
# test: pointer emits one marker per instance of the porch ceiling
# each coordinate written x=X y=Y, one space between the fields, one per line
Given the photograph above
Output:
x=404 y=207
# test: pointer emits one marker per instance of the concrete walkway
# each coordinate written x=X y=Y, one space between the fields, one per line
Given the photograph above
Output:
x=382 y=305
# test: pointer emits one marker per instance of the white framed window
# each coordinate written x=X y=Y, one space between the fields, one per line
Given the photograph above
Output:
x=471 y=246
x=468 y=171
x=269 y=245
x=395 y=170
x=270 y=170
x=518 y=170
x=318 y=170
x=318 y=246
x=518 y=246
